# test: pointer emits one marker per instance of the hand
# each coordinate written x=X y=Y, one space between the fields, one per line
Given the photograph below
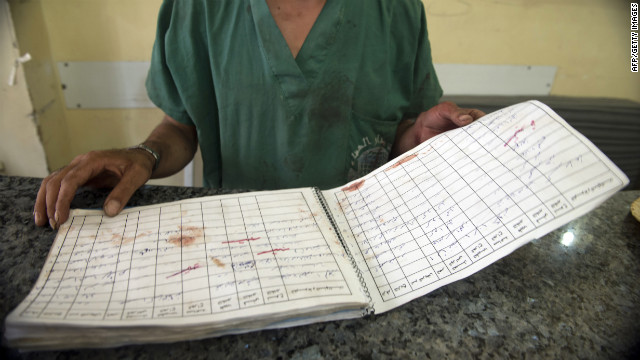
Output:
x=124 y=170
x=440 y=118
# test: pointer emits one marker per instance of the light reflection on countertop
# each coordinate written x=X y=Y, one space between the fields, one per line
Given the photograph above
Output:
x=567 y=238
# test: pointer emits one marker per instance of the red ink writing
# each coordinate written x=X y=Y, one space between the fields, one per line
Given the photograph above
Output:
x=185 y=271
x=241 y=241
x=272 y=251
x=515 y=135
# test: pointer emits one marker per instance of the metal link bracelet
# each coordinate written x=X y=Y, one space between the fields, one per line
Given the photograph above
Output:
x=150 y=151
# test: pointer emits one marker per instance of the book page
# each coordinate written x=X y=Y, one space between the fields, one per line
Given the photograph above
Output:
x=212 y=260
x=468 y=197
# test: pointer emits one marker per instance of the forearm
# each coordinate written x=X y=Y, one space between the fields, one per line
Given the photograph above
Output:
x=175 y=143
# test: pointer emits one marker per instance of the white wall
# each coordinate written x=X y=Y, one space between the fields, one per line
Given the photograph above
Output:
x=21 y=152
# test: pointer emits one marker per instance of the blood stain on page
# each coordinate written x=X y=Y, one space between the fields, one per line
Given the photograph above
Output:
x=119 y=240
x=187 y=236
x=402 y=161
x=116 y=239
x=353 y=187
x=217 y=262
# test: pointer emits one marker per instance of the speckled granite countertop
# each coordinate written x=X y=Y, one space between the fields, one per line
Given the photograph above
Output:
x=546 y=300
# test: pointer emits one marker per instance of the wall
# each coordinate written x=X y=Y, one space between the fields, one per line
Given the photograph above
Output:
x=18 y=130
x=90 y=30
x=113 y=30
x=588 y=40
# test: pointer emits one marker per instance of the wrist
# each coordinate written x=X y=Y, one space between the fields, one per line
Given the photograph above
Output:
x=151 y=152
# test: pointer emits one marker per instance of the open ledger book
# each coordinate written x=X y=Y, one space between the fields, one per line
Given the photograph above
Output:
x=235 y=263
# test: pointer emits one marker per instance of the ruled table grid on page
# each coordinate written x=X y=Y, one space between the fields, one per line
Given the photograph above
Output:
x=467 y=194
x=189 y=259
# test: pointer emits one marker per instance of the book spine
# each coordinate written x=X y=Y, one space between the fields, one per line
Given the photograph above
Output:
x=370 y=309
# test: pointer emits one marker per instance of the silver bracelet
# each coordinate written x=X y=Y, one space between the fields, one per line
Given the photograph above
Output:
x=150 y=151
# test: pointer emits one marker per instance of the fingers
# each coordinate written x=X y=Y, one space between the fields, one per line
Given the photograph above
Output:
x=476 y=113
x=57 y=191
x=65 y=189
x=40 y=208
x=44 y=209
x=52 y=189
x=131 y=169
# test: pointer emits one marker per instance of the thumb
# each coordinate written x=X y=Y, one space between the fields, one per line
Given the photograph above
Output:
x=451 y=112
x=122 y=192
x=465 y=118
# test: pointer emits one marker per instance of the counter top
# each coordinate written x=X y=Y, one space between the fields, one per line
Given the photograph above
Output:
x=547 y=299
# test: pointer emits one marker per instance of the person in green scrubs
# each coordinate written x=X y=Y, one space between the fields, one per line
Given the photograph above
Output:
x=278 y=94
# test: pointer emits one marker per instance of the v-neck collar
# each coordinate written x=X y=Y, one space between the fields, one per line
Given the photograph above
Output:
x=296 y=74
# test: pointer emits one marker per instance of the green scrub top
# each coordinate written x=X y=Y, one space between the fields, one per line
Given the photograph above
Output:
x=267 y=120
